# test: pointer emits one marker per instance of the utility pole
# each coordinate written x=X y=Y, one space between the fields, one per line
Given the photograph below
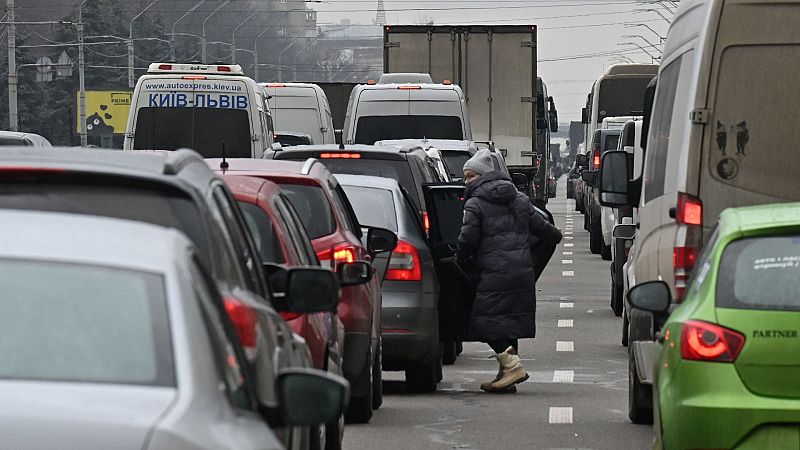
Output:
x=280 y=55
x=131 y=76
x=81 y=78
x=13 y=117
x=203 y=52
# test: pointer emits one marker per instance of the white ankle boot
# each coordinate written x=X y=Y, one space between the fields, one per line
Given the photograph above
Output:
x=511 y=372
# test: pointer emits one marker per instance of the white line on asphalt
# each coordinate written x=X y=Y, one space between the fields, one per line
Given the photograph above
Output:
x=565 y=323
x=566 y=305
x=566 y=261
x=565 y=346
x=561 y=414
x=568 y=273
x=567 y=253
x=569 y=244
x=567 y=232
x=563 y=376
x=567 y=237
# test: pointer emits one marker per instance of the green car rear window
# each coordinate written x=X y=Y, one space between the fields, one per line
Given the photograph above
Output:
x=760 y=273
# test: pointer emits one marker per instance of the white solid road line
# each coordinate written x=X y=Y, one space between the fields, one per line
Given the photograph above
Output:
x=565 y=323
x=565 y=346
x=563 y=376
x=566 y=305
x=568 y=273
x=560 y=414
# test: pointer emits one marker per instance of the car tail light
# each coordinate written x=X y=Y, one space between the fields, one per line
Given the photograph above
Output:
x=409 y=88
x=404 y=265
x=287 y=316
x=275 y=85
x=223 y=69
x=596 y=157
x=689 y=212
x=703 y=341
x=447 y=82
x=426 y=222
x=194 y=77
x=340 y=155
x=338 y=254
x=372 y=82
x=245 y=321
x=165 y=67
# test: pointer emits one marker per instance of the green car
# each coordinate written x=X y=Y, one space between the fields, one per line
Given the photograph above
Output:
x=727 y=365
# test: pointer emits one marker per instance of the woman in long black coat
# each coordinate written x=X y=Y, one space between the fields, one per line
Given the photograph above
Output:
x=499 y=230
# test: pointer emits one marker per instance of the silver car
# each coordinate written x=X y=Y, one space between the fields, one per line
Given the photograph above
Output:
x=126 y=344
x=409 y=317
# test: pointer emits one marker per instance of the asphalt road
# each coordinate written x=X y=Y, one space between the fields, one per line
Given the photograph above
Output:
x=576 y=397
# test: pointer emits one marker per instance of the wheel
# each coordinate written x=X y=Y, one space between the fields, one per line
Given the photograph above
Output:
x=334 y=433
x=449 y=353
x=317 y=438
x=616 y=299
x=439 y=370
x=585 y=222
x=377 y=378
x=625 y=326
x=459 y=348
x=360 y=409
x=640 y=397
x=595 y=238
x=422 y=378
x=605 y=250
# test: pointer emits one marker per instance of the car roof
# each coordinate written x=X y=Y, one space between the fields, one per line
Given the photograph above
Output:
x=16 y=134
x=368 y=181
x=250 y=189
x=99 y=160
x=760 y=217
x=250 y=166
x=87 y=239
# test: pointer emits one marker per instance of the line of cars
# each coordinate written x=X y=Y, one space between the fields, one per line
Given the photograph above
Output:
x=710 y=315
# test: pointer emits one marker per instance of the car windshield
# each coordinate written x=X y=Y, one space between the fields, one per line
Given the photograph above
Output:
x=209 y=131
x=263 y=231
x=83 y=323
x=374 y=207
x=371 y=129
x=395 y=169
x=760 y=273
x=455 y=162
x=313 y=208
x=159 y=207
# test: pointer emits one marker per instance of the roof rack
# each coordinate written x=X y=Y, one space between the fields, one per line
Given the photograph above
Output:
x=178 y=160
x=308 y=165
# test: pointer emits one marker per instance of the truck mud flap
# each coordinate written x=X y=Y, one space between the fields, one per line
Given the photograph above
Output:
x=645 y=355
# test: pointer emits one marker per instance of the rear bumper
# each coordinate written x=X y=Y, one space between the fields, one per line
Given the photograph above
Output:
x=410 y=328
x=706 y=405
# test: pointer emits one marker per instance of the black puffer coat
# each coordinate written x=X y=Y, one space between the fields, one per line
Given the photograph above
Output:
x=500 y=227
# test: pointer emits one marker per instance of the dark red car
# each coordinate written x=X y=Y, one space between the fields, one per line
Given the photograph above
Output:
x=335 y=233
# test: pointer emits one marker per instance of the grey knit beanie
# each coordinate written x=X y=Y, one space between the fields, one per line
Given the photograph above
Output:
x=481 y=162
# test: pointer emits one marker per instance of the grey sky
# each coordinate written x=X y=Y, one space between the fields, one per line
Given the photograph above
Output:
x=594 y=26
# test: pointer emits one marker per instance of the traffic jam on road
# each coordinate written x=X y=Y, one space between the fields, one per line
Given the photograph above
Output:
x=244 y=275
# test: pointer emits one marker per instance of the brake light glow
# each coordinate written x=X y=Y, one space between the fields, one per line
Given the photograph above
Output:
x=245 y=322
x=409 y=88
x=194 y=77
x=287 y=316
x=223 y=69
x=165 y=67
x=426 y=221
x=340 y=155
x=447 y=82
x=371 y=82
x=689 y=210
x=275 y=85
x=596 y=157
x=703 y=341
x=404 y=265
x=336 y=255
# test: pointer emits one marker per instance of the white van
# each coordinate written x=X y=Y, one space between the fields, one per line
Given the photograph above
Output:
x=213 y=109
x=406 y=111
x=300 y=108
x=721 y=135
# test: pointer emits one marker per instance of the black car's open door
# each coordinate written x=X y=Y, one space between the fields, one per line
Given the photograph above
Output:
x=445 y=203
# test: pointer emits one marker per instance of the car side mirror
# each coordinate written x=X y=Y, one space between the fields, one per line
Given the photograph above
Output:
x=582 y=160
x=312 y=289
x=277 y=147
x=380 y=240
x=354 y=273
x=613 y=179
x=584 y=115
x=653 y=296
x=520 y=180
x=624 y=231
x=311 y=397
x=588 y=177
x=276 y=280
x=337 y=136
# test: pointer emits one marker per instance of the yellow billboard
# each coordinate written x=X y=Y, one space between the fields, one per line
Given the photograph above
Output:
x=106 y=112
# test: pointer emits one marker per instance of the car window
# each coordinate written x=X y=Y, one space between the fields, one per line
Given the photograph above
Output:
x=395 y=169
x=760 y=273
x=612 y=141
x=370 y=129
x=263 y=231
x=84 y=323
x=411 y=217
x=230 y=366
x=658 y=140
x=313 y=207
x=374 y=207
x=239 y=239
x=300 y=242
x=454 y=161
x=349 y=213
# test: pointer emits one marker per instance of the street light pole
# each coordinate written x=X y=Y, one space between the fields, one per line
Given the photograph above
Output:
x=131 y=77
x=255 y=41
x=172 y=36
x=280 y=55
x=13 y=117
x=203 y=54
x=233 y=35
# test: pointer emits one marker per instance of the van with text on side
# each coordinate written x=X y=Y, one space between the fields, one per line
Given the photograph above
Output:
x=300 y=108
x=213 y=109
x=728 y=76
x=378 y=112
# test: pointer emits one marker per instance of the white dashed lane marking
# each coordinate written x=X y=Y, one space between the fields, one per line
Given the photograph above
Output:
x=566 y=305
x=565 y=323
x=566 y=261
x=569 y=244
x=568 y=273
x=565 y=346
x=567 y=253
x=560 y=414
x=563 y=376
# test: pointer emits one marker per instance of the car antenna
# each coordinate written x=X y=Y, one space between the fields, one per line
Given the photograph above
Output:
x=341 y=145
x=224 y=164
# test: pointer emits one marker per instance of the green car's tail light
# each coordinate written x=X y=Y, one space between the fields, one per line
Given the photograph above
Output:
x=703 y=341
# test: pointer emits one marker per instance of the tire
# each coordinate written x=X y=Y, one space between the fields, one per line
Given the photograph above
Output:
x=377 y=378
x=459 y=348
x=605 y=250
x=625 y=326
x=360 y=408
x=439 y=370
x=422 y=379
x=585 y=222
x=318 y=438
x=640 y=397
x=449 y=353
x=334 y=433
x=616 y=298
x=595 y=238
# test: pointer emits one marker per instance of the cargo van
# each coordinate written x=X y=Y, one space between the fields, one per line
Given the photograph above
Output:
x=213 y=109
x=300 y=108
x=727 y=82
x=406 y=111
